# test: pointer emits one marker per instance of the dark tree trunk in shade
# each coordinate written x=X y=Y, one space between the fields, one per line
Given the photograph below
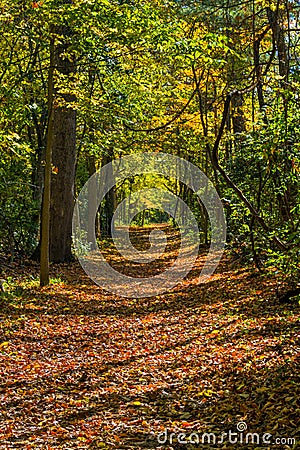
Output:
x=93 y=222
x=63 y=158
x=110 y=198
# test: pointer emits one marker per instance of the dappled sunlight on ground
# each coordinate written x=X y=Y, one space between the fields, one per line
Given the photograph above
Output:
x=82 y=368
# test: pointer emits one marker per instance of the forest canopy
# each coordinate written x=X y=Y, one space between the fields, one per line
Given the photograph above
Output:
x=133 y=315
x=216 y=83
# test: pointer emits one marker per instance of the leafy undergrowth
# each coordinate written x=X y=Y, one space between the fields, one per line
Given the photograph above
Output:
x=83 y=369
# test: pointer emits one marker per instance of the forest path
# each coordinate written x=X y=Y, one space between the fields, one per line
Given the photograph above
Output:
x=83 y=369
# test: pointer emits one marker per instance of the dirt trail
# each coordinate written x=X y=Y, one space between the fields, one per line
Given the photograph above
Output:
x=83 y=369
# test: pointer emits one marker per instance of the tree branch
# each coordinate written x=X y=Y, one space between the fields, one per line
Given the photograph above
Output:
x=230 y=183
x=177 y=115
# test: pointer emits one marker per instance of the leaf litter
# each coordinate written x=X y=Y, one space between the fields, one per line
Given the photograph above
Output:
x=83 y=369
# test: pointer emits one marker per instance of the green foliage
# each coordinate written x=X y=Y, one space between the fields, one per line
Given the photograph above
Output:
x=136 y=68
x=17 y=208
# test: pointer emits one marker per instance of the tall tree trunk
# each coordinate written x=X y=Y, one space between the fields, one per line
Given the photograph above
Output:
x=63 y=157
x=110 y=198
x=276 y=22
x=93 y=222
x=45 y=219
x=277 y=19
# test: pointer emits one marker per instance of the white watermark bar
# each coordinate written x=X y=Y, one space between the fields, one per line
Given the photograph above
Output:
x=238 y=436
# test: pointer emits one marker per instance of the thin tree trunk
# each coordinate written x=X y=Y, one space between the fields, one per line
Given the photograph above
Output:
x=45 y=225
x=110 y=200
x=93 y=222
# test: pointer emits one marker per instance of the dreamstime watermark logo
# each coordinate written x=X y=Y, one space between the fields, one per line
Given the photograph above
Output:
x=157 y=164
x=238 y=436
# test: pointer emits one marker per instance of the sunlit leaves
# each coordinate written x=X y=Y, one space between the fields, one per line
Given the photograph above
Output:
x=82 y=367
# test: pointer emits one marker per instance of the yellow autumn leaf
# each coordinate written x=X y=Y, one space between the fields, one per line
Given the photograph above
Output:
x=4 y=344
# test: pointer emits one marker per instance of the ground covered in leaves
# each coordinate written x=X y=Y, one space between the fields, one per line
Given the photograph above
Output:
x=84 y=369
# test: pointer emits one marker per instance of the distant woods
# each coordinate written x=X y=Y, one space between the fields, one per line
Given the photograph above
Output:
x=216 y=83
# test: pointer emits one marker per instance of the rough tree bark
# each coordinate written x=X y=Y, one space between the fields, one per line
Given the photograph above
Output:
x=63 y=156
